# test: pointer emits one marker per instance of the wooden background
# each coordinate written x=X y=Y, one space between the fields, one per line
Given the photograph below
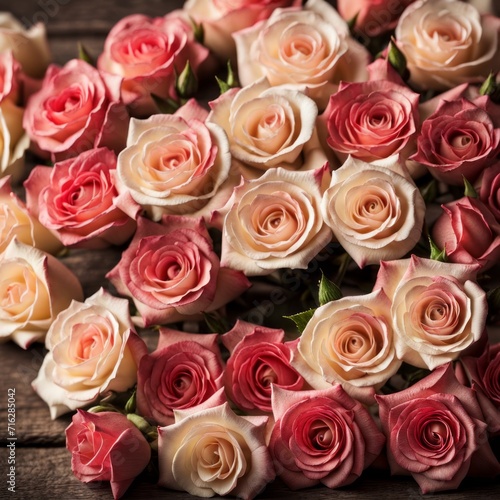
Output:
x=42 y=462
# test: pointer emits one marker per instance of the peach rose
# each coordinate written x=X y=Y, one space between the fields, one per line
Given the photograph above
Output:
x=93 y=349
x=34 y=288
x=148 y=53
x=77 y=108
x=349 y=341
x=375 y=210
x=76 y=199
x=447 y=42
x=17 y=222
x=274 y=222
x=29 y=47
x=175 y=164
x=269 y=127
x=308 y=47
x=215 y=452
x=438 y=309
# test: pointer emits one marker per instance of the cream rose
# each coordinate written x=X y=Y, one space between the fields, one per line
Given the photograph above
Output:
x=274 y=222
x=349 y=341
x=269 y=127
x=16 y=222
x=93 y=349
x=34 y=288
x=175 y=164
x=438 y=309
x=308 y=47
x=447 y=42
x=213 y=451
x=375 y=211
x=30 y=47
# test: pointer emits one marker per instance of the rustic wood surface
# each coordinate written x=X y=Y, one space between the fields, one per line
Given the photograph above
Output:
x=42 y=462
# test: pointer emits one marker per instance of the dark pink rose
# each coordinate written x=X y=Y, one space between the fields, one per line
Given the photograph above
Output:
x=76 y=200
x=106 y=447
x=489 y=189
x=77 y=108
x=460 y=139
x=172 y=272
x=258 y=359
x=322 y=436
x=371 y=120
x=484 y=375
x=185 y=370
x=436 y=432
x=148 y=53
x=468 y=232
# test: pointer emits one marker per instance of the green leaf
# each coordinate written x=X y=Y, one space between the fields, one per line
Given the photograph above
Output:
x=84 y=55
x=130 y=404
x=328 y=291
x=165 y=106
x=469 y=189
x=429 y=192
x=436 y=252
x=397 y=60
x=301 y=319
x=215 y=322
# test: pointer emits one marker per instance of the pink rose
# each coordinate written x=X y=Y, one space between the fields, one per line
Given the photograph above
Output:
x=322 y=436
x=148 y=53
x=308 y=47
x=373 y=17
x=447 y=42
x=77 y=108
x=460 y=139
x=184 y=371
x=371 y=120
x=438 y=309
x=468 y=232
x=220 y=18
x=351 y=342
x=106 y=447
x=213 y=451
x=258 y=358
x=17 y=222
x=10 y=70
x=76 y=199
x=435 y=432
x=488 y=187
x=484 y=375
x=171 y=271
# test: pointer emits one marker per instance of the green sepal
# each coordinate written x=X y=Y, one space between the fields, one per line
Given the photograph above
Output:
x=131 y=403
x=397 y=60
x=469 y=190
x=84 y=55
x=436 y=252
x=186 y=84
x=165 y=106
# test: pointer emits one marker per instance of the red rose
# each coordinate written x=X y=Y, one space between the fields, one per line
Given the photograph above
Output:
x=106 y=447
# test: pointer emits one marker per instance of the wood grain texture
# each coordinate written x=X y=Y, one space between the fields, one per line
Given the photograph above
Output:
x=43 y=468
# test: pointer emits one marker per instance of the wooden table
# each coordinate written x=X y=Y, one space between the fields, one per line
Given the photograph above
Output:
x=42 y=462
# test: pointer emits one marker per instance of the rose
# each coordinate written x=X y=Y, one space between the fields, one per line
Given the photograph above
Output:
x=435 y=432
x=214 y=452
x=322 y=436
x=93 y=349
x=184 y=371
x=468 y=232
x=106 y=447
x=349 y=341
x=171 y=271
x=10 y=70
x=34 y=288
x=77 y=108
x=274 y=222
x=268 y=127
x=76 y=199
x=438 y=310
x=371 y=120
x=375 y=210
x=175 y=164
x=459 y=139
x=308 y=47
x=148 y=53
x=219 y=19
x=29 y=47
x=488 y=187
x=447 y=42
x=16 y=222
x=373 y=17
x=258 y=359
x=484 y=374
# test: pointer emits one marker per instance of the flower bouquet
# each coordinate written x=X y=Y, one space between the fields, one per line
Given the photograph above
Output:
x=305 y=201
